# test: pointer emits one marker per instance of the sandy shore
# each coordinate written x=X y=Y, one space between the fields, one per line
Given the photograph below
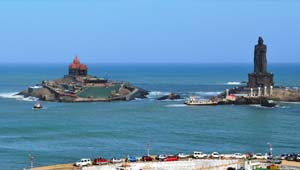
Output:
x=290 y=163
x=57 y=167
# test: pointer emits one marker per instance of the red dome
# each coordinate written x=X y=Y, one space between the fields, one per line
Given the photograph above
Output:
x=83 y=67
x=73 y=66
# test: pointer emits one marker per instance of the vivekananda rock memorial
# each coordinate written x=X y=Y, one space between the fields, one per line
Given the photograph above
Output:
x=78 y=86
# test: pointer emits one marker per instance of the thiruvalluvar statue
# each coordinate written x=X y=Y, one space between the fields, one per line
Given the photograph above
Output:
x=260 y=57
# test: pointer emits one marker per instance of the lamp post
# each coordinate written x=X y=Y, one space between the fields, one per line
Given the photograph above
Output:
x=148 y=149
x=31 y=159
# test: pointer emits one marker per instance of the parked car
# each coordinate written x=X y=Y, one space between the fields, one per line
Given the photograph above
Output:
x=215 y=155
x=171 y=158
x=258 y=156
x=132 y=159
x=115 y=160
x=182 y=155
x=83 y=162
x=274 y=161
x=147 y=158
x=291 y=157
x=100 y=161
x=238 y=156
x=227 y=156
x=298 y=158
x=283 y=156
x=161 y=157
x=199 y=155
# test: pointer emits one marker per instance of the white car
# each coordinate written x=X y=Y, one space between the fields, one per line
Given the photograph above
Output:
x=227 y=156
x=182 y=155
x=238 y=156
x=83 y=162
x=298 y=158
x=199 y=155
x=215 y=155
x=115 y=160
x=259 y=156
x=161 y=157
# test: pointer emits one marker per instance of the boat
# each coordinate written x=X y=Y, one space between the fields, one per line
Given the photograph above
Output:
x=194 y=102
x=37 y=106
x=267 y=103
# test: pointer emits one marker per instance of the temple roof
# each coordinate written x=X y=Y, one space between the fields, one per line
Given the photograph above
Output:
x=76 y=64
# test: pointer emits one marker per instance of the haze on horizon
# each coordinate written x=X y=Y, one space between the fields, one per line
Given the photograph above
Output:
x=150 y=31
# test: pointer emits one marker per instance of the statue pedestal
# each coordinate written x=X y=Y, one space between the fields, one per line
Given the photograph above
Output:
x=260 y=80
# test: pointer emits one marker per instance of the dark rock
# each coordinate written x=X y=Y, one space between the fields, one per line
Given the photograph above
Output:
x=171 y=96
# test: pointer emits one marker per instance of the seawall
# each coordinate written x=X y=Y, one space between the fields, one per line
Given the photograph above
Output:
x=176 y=165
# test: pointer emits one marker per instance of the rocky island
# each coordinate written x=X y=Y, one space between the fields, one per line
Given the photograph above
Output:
x=260 y=86
x=78 y=86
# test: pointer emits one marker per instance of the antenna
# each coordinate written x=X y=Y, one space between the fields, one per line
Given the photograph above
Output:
x=270 y=149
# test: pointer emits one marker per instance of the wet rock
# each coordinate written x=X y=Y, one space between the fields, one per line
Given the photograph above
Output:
x=171 y=96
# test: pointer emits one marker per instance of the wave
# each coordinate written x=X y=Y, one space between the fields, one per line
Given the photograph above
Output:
x=174 y=100
x=13 y=95
x=277 y=106
x=176 y=105
x=289 y=102
x=234 y=83
x=157 y=94
x=208 y=93
x=184 y=95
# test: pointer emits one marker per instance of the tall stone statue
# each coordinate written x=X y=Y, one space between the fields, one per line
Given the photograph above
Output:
x=260 y=77
x=260 y=57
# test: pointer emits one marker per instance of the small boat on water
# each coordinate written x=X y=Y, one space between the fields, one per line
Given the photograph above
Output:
x=267 y=103
x=37 y=106
x=194 y=102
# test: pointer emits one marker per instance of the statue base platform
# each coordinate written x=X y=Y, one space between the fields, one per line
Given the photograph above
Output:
x=260 y=80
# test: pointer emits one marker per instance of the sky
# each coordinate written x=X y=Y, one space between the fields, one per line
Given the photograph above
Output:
x=148 y=31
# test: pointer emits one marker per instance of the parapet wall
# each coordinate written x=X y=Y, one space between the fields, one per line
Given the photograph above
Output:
x=176 y=165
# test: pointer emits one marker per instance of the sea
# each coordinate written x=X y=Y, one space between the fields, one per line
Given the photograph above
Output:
x=66 y=132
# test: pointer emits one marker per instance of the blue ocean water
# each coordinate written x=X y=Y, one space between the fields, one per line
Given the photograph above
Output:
x=66 y=132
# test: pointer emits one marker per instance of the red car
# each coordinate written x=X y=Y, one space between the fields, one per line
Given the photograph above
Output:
x=100 y=161
x=171 y=158
x=147 y=158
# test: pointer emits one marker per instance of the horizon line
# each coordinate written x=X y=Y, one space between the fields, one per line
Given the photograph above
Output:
x=162 y=62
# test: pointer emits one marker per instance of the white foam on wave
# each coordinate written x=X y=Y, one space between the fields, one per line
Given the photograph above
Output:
x=258 y=105
x=290 y=102
x=176 y=105
x=208 y=93
x=234 y=83
x=282 y=107
x=277 y=106
x=174 y=100
x=156 y=94
x=13 y=95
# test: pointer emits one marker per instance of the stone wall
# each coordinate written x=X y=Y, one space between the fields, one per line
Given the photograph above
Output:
x=176 y=165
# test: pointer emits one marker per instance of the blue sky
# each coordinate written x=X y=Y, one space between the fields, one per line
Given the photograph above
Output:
x=147 y=31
